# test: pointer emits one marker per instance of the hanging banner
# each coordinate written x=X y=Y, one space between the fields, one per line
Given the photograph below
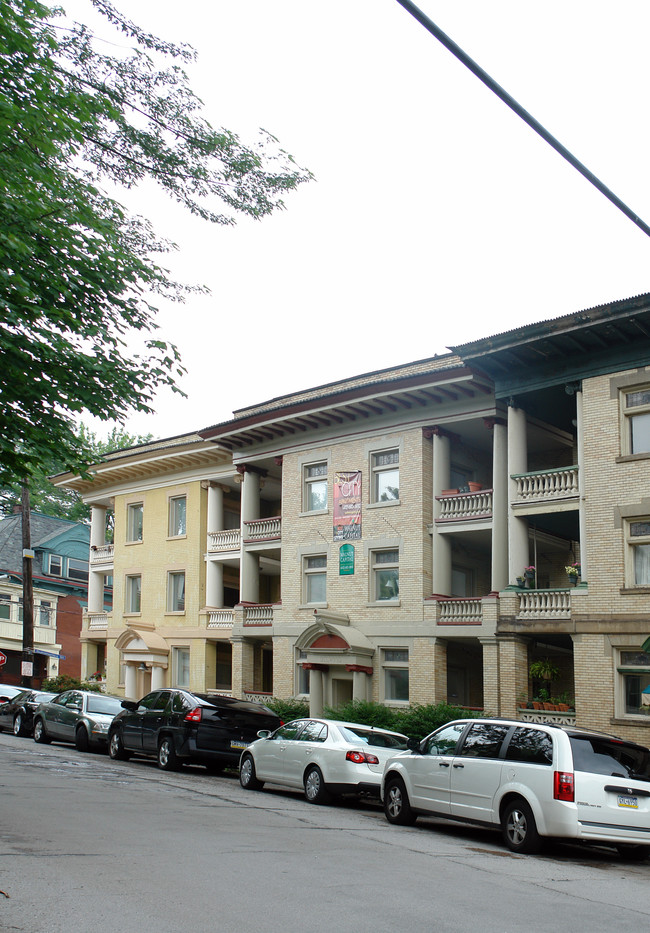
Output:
x=347 y=505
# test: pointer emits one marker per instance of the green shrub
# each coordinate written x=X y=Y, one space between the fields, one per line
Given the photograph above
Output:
x=415 y=721
x=368 y=714
x=287 y=710
x=64 y=682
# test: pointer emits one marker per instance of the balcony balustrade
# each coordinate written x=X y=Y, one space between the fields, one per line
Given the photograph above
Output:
x=533 y=715
x=97 y=621
x=460 y=611
x=102 y=553
x=465 y=506
x=536 y=605
x=561 y=483
x=263 y=529
x=258 y=614
x=220 y=618
x=226 y=540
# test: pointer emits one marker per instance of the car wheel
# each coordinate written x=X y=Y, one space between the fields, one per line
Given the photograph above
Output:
x=315 y=789
x=40 y=735
x=247 y=777
x=397 y=806
x=519 y=828
x=19 y=728
x=116 y=749
x=81 y=740
x=634 y=853
x=167 y=758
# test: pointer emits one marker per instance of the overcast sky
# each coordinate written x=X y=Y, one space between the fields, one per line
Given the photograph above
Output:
x=437 y=216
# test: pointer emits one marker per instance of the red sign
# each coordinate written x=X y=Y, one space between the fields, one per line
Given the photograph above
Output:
x=3 y=658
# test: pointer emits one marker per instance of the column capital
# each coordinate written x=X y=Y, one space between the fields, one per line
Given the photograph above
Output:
x=243 y=468
x=359 y=668
x=490 y=422
x=308 y=666
x=434 y=430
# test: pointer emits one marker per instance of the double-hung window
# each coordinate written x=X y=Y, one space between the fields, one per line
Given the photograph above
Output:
x=634 y=673
x=45 y=612
x=181 y=667
x=385 y=476
x=134 y=522
x=177 y=516
x=133 y=601
x=636 y=412
x=315 y=579
x=638 y=564
x=5 y=606
x=385 y=575
x=176 y=591
x=396 y=674
x=315 y=487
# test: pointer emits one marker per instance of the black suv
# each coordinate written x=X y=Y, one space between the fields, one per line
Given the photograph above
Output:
x=178 y=727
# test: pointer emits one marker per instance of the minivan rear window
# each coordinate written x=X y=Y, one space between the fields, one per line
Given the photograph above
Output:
x=531 y=745
x=606 y=756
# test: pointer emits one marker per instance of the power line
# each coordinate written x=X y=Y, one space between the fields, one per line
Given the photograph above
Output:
x=489 y=82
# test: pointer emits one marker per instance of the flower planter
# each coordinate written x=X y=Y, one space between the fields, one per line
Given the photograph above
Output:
x=449 y=492
x=475 y=487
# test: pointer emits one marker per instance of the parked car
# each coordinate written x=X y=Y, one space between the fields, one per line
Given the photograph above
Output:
x=178 y=727
x=531 y=781
x=321 y=756
x=8 y=691
x=17 y=713
x=79 y=716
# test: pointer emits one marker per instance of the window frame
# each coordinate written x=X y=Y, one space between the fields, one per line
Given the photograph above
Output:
x=302 y=675
x=628 y=414
x=221 y=685
x=132 y=530
x=377 y=567
x=389 y=666
x=45 y=608
x=378 y=469
x=131 y=591
x=309 y=574
x=630 y=669
x=632 y=543
x=181 y=653
x=80 y=572
x=310 y=481
x=172 y=515
x=172 y=595
x=55 y=565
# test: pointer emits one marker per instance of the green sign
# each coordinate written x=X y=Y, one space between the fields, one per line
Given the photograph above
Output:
x=346 y=559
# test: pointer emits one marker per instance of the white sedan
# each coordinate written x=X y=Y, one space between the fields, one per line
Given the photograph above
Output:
x=324 y=757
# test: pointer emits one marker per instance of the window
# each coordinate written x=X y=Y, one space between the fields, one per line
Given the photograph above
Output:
x=634 y=672
x=302 y=676
x=134 y=519
x=444 y=741
x=315 y=580
x=133 y=601
x=396 y=674
x=77 y=569
x=224 y=666
x=636 y=408
x=532 y=746
x=176 y=591
x=385 y=476
x=385 y=575
x=55 y=565
x=315 y=487
x=484 y=740
x=177 y=516
x=5 y=606
x=638 y=539
x=45 y=612
x=181 y=667
x=314 y=732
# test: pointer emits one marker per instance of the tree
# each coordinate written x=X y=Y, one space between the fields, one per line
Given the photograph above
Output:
x=79 y=275
x=47 y=498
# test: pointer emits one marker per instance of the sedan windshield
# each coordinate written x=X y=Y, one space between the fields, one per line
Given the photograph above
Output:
x=109 y=705
x=373 y=737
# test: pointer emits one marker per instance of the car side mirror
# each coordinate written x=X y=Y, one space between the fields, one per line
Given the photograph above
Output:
x=263 y=734
x=130 y=705
x=413 y=744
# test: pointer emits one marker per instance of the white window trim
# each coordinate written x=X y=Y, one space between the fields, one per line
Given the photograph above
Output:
x=170 y=575
x=306 y=572
x=306 y=482
x=176 y=649
x=619 y=690
x=631 y=542
x=128 y=611
x=130 y=510
x=374 y=470
x=170 y=506
x=394 y=665
x=370 y=549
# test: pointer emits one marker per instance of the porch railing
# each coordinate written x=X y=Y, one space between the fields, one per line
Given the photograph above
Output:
x=259 y=614
x=97 y=621
x=460 y=611
x=101 y=553
x=535 y=715
x=220 y=618
x=465 y=506
x=263 y=529
x=544 y=604
x=227 y=540
x=560 y=483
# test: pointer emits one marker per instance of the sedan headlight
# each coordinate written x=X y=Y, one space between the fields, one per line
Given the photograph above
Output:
x=100 y=726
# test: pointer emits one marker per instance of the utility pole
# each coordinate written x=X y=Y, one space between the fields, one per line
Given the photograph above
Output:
x=27 y=665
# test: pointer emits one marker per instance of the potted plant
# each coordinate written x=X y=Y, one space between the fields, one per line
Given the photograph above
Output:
x=529 y=575
x=521 y=582
x=573 y=572
x=544 y=669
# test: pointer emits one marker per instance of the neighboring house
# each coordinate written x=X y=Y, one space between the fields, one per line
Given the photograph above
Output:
x=60 y=582
x=370 y=538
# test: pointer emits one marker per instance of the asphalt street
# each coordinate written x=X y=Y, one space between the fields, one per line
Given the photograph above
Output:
x=89 y=844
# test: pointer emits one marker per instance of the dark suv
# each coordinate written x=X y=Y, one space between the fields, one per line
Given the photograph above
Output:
x=178 y=727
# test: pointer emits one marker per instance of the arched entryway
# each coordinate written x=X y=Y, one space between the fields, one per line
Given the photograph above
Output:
x=145 y=654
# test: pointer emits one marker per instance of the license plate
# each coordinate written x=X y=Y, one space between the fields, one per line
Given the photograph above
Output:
x=632 y=803
x=238 y=744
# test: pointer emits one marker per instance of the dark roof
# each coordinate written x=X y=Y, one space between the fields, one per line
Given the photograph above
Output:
x=44 y=528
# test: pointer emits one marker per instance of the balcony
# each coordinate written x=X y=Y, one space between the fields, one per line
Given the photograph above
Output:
x=539 y=605
x=546 y=486
x=220 y=618
x=258 y=614
x=262 y=530
x=465 y=506
x=13 y=631
x=102 y=554
x=227 y=540
x=96 y=621
x=456 y=610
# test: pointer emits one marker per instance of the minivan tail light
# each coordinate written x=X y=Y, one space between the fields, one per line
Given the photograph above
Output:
x=194 y=715
x=563 y=788
x=360 y=758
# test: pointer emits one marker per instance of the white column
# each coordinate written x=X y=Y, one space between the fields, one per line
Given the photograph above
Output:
x=97 y=539
x=582 y=517
x=499 y=506
x=97 y=525
x=518 y=557
x=315 y=693
x=440 y=543
x=130 y=682
x=215 y=507
x=250 y=565
x=157 y=677
x=359 y=681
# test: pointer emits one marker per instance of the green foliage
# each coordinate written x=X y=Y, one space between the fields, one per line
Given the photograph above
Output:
x=414 y=721
x=64 y=682
x=288 y=710
x=79 y=275
x=371 y=714
x=544 y=670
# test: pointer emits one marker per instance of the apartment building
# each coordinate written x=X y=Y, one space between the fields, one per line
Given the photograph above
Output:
x=402 y=535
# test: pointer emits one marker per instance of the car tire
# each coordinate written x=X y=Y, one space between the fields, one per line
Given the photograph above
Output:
x=315 y=789
x=19 y=724
x=81 y=740
x=167 y=757
x=634 y=853
x=397 y=805
x=40 y=735
x=519 y=828
x=247 y=776
x=116 y=750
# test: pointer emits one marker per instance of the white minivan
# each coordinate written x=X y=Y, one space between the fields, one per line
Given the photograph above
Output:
x=529 y=780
